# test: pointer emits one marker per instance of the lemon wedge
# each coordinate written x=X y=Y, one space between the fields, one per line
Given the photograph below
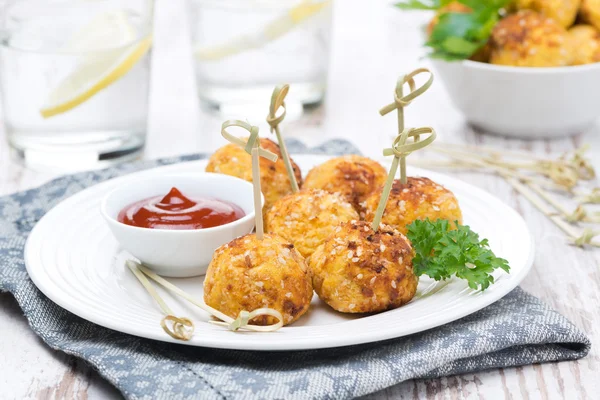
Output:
x=272 y=31
x=98 y=70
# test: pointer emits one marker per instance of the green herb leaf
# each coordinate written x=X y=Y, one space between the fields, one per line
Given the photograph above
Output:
x=442 y=253
x=418 y=5
x=456 y=45
x=457 y=36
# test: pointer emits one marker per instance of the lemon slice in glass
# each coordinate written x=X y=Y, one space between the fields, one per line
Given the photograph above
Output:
x=272 y=31
x=102 y=66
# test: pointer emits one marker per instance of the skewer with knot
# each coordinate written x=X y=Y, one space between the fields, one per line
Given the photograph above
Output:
x=402 y=147
x=277 y=103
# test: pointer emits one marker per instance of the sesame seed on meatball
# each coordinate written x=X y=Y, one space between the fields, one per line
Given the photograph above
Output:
x=308 y=217
x=529 y=39
x=419 y=198
x=358 y=270
x=563 y=12
x=355 y=177
x=248 y=274
x=233 y=160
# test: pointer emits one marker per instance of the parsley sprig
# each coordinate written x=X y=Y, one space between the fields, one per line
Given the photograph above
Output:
x=457 y=36
x=441 y=253
x=422 y=4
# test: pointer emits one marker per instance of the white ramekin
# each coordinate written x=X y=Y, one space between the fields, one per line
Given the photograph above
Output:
x=179 y=253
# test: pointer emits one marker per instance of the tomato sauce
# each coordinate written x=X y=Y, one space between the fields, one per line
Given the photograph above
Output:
x=176 y=211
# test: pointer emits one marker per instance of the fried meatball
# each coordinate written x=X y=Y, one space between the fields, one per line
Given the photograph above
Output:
x=247 y=274
x=585 y=44
x=528 y=39
x=355 y=177
x=590 y=12
x=420 y=198
x=562 y=11
x=231 y=159
x=454 y=7
x=307 y=218
x=358 y=270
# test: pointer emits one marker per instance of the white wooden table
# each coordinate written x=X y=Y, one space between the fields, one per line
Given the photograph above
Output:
x=371 y=39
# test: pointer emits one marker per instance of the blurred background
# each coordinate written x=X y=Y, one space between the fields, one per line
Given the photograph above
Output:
x=342 y=68
x=372 y=43
x=342 y=59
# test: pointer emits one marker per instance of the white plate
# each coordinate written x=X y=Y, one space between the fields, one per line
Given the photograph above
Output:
x=73 y=259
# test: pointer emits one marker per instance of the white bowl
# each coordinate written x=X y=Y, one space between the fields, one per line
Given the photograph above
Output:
x=529 y=103
x=179 y=253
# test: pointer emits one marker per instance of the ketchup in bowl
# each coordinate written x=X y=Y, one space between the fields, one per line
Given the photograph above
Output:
x=176 y=211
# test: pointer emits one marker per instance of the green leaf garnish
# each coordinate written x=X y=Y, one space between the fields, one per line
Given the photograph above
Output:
x=442 y=253
x=419 y=4
x=457 y=36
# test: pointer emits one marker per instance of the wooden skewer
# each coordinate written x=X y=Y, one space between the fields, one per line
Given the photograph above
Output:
x=181 y=328
x=260 y=231
x=500 y=170
x=400 y=148
x=141 y=272
x=477 y=149
x=578 y=215
x=574 y=236
x=277 y=102
x=252 y=147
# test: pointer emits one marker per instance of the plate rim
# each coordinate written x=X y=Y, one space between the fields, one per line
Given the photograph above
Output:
x=298 y=345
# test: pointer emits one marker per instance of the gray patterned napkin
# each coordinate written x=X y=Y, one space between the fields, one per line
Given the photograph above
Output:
x=517 y=330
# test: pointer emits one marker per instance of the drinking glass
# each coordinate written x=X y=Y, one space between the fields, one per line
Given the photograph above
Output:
x=243 y=48
x=74 y=80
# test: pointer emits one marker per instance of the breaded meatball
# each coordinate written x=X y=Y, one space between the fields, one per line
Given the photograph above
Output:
x=562 y=11
x=585 y=44
x=231 y=159
x=307 y=218
x=454 y=7
x=420 y=198
x=528 y=39
x=247 y=274
x=358 y=270
x=355 y=177
x=590 y=12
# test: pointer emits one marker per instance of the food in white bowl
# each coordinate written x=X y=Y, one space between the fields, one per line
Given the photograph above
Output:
x=529 y=39
x=528 y=103
x=516 y=68
x=157 y=240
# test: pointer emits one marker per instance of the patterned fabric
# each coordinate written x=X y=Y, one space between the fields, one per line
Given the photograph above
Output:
x=517 y=330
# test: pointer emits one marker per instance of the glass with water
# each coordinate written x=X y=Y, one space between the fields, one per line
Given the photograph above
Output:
x=243 y=48
x=74 y=80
